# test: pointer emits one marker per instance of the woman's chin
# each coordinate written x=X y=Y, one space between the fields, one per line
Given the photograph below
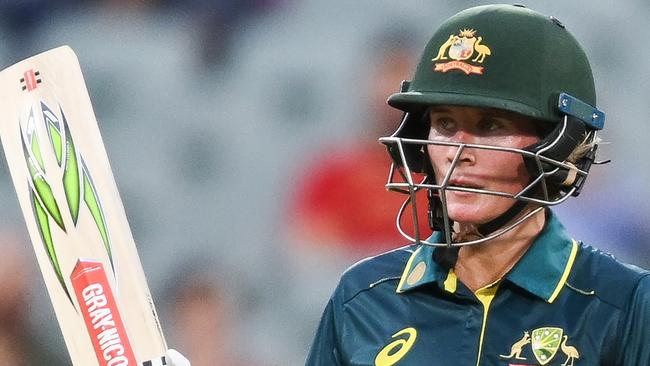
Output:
x=466 y=214
x=469 y=214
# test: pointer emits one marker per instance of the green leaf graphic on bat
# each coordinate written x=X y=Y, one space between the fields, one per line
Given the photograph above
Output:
x=36 y=167
x=93 y=203
x=71 y=183
x=44 y=204
x=46 y=236
x=53 y=131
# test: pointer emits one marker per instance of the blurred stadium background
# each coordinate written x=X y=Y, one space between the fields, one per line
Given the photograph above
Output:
x=215 y=113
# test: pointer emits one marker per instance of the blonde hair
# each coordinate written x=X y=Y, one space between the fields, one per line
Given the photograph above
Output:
x=583 y=148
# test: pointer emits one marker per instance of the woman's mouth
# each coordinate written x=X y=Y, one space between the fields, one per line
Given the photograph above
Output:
x=464 y=183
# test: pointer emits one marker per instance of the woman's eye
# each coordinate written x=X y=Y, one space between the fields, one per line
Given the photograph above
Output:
x=490 y=125
x=445 y=124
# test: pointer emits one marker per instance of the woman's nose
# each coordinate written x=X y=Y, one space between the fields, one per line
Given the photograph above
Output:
x=466 y=155
x=463 y=136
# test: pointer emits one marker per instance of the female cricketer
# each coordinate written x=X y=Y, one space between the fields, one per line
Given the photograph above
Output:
x=500 y=123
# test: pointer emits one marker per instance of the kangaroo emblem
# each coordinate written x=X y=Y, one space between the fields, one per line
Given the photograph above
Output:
x=444 y=47
x=515 y=350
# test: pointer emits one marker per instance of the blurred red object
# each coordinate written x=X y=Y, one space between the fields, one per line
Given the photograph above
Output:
x=343 y=203
x=340 y=200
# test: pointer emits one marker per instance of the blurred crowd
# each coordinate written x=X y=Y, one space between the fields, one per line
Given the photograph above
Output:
x=243 y=139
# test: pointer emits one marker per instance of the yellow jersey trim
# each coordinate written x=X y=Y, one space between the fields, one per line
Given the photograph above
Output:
x=407 y=269
x=485 y=295
x=565 y=274
x=451 y=282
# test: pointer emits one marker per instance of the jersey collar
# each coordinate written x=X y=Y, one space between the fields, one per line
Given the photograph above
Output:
x=542 y=271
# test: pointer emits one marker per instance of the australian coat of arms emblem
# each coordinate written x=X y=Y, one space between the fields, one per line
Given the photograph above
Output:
x=463 y=50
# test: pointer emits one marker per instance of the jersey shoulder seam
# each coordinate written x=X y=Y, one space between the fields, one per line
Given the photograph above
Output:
x=371 y=286
x=371 y=272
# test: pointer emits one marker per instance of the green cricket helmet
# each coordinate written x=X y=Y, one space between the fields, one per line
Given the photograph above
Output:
x=511 y=58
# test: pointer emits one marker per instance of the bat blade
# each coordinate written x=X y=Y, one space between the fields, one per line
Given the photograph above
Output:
x=74 y=214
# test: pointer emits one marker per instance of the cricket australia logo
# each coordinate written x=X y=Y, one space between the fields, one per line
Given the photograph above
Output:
x=544 y=344
x=461 y=48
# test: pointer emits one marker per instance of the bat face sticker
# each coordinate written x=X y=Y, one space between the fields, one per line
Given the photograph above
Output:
x=69 y=173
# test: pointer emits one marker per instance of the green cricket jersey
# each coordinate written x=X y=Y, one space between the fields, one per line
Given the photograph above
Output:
x=564 y=303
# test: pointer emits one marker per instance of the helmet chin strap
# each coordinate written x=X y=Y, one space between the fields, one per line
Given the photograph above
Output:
x=436 y=219
x=501 y=220
x=447 y=256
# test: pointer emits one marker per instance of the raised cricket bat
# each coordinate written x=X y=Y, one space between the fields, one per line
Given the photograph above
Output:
x=74 y=214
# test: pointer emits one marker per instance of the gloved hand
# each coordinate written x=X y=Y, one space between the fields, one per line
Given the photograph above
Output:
x=175 y=358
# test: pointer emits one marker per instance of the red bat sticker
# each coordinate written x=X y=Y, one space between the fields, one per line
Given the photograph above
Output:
x=101 y=315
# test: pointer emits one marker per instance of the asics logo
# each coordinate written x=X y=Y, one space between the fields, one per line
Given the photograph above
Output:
x=397 y=349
